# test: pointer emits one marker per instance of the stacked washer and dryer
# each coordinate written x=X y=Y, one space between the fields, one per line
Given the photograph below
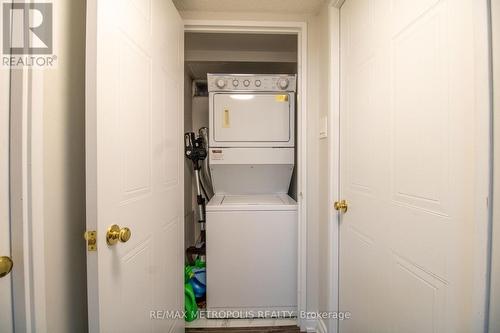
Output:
x=251 y=221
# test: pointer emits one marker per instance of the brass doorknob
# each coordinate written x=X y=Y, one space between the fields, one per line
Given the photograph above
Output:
x=341 y=206
x=115 y=234
x=6 y=265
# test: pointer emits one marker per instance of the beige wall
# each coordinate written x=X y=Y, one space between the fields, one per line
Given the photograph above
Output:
x=200 y=112
x=323 y=157
x=495 y=278
x=64 y=173
x=313 y=176
x=318 y=155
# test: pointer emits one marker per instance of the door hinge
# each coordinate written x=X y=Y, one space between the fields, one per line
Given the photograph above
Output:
x=91 y=238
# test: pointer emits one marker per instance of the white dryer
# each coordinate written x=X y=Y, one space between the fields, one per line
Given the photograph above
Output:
x=251 y=221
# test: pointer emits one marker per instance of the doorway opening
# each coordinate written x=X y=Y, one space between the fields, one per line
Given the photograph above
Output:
x=238 y=250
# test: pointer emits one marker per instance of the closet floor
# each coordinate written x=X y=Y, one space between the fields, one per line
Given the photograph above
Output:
x=269 y=329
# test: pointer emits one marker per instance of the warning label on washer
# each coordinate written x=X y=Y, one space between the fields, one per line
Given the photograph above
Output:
x=217 y=154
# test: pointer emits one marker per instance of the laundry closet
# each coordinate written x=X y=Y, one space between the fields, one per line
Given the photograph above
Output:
x=240 y=174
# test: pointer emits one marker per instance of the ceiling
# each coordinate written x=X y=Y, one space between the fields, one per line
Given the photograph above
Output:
x=255 y=6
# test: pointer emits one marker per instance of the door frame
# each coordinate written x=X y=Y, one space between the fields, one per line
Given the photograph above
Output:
x=494 y=276
x=483 y=174
x=334 y=163
x=299 y=29
x=26 y=199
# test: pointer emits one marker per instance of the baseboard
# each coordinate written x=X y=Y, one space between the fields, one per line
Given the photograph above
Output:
x=321 y=326
x=313 y=326
x=309 y=325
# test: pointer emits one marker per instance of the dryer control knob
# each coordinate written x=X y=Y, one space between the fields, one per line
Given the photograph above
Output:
x=220 y=83
x=235 y=83
x=246 y=83
x=283 y=83
x=258 y=83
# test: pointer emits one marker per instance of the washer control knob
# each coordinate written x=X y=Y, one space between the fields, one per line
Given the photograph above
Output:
x=283 y=83
x=258 y=83
x=246 y=83
x=220 y=83
x=235 y=83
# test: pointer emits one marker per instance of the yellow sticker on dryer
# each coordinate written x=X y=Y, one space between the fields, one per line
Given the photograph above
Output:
x=225 y=119
x=281 y=98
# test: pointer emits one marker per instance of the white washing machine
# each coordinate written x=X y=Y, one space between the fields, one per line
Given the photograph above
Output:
x=251 y=224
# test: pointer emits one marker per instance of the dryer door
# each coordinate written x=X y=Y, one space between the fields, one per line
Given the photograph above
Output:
x=252 y=119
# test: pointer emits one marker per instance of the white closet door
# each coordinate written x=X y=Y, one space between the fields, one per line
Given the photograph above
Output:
x=408 y=257
x=6 y=309
x=134 y=123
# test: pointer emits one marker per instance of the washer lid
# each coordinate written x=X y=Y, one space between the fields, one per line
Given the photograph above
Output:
x=251 y=202
x=265 y=199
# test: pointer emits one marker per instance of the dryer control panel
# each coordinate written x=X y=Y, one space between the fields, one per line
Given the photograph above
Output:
x=251 y=82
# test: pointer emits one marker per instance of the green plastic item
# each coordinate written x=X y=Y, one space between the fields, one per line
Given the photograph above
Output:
x=190 y=303
x=188 y=273
x=190 y=299
x=199 y=264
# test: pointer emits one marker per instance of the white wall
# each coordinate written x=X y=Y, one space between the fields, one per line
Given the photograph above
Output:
x=495 y=278
x=200 y=112
x=64 y=173
x=324 y=152
x=229 y=47
x=318 y=158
